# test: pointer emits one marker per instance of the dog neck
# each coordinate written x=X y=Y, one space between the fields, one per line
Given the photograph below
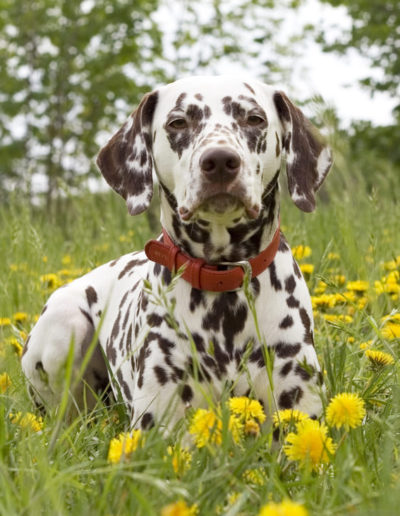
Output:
x=215 y=242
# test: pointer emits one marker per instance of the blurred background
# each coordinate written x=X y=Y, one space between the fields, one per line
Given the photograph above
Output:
x=72 y=71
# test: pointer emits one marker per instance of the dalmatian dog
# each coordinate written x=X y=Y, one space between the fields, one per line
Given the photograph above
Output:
x=237 y=318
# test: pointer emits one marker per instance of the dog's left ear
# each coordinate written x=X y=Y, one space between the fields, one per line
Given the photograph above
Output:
x=126 y=160
x=308 y=158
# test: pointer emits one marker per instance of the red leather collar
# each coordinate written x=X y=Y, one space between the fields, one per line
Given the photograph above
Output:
x=206 y=277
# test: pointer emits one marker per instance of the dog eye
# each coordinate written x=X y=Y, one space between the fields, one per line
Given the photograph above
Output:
x=178 y=123
x=255 y=120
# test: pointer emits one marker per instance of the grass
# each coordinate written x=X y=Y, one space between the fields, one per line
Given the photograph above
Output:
x=63 y=468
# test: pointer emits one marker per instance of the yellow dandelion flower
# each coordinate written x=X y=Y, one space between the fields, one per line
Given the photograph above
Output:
x=307 y=269
x=246 y=409
x=5 y=382
x=251 y=427
x=287 y=416
x=320 y=288
x=66 y=260
x=123 y=446
x=285 y=508
x=391 y=331
x=235 y=426
x=50 y=281
x=15 y=344
x=379 y=358
x=180 y=508
x=27 y=420
x=333 y=256
x=5 y=321
x=345 y=409
x=357 y=286
x=310 y=445
x=181 y=458
x=301 y=251
x=391 y=318
x=205 y=427
x=20 y=317
x=366 y=344
x=254 y=476
x=233 y=498
x=326 y=300
x=338 y=318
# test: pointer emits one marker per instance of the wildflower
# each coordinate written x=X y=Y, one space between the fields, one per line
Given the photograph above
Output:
x=181 y=458
x=341 y=318
x=206 y=428
x=391 y=318
x=285 y=508
x=50 y=281
x=246 y=409
x=123 y=446
x=20 y=317
x=379 y=358
x=345 y=409
x=235 y=426
x=301 y=251
x=5 y=321
x=391 y=331
x=333 y=256
x=27 y=420
x=339 y=279
x=66 y=260
x=14 y=343
x=254 y=476
x=284 y=417
x=307 y=268
x=310 y=445
x=357 y=286
x=251 y=427
x=320 y=288
x=179 y=508
x=326 y=300
x=5 y=382
x=366 y=344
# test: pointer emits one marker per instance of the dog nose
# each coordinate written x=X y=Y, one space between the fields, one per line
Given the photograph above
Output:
x=220 y=164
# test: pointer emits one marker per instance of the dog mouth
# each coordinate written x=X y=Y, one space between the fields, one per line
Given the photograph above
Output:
x=221 y=205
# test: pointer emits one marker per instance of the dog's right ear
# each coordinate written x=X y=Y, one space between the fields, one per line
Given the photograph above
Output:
x=126 y=160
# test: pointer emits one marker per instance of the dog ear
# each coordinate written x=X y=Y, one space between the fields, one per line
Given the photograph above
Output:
x=126 y=160
x=308 y=158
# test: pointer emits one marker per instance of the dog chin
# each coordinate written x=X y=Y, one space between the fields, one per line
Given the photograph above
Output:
x=225 y=208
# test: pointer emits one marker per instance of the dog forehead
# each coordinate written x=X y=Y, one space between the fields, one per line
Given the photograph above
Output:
x=213 y=92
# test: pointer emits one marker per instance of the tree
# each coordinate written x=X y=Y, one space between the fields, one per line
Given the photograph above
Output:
x=63 y=81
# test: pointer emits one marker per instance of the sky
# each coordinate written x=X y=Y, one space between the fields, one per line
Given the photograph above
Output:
x=334 y=76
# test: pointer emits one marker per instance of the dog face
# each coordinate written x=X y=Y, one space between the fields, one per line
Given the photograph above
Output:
x=215 y=143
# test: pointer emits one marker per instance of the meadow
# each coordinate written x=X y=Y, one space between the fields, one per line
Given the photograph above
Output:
x=349 y=251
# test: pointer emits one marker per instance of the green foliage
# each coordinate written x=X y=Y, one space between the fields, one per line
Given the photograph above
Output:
x=63 y=80
x=73 y=476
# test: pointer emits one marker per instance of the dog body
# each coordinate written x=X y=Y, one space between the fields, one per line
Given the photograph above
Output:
x=216 y=145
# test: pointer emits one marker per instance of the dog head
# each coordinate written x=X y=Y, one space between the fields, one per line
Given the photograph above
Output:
x=216 y=143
